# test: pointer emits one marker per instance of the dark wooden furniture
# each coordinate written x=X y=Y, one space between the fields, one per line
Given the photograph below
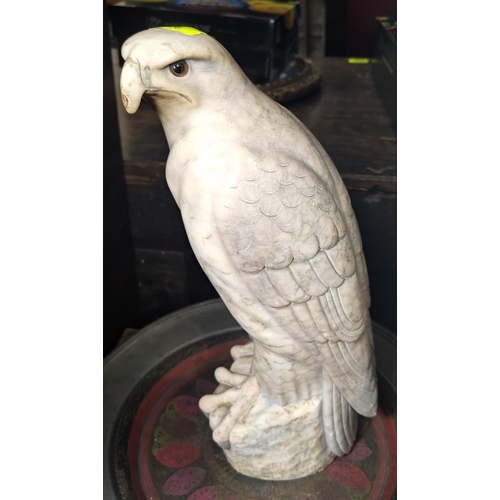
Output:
x=120 y=297
x=347 y=117
x=350 y=26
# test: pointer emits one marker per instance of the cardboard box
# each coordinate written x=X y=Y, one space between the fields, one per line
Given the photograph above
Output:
x=261 y=35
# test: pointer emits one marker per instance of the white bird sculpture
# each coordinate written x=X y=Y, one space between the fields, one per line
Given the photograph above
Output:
x=271 y=223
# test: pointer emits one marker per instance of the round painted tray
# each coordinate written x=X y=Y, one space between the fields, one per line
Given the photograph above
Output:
x=302 y=77
x=158 y=446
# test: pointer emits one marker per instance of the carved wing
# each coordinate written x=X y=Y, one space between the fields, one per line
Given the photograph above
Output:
x=301 y=256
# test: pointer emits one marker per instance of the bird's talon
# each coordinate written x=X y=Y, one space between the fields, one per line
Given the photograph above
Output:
x=226 y=408
x=238 y=351
x=242 y=365
x=226 y=445
x=221 y=388
x=224 y=376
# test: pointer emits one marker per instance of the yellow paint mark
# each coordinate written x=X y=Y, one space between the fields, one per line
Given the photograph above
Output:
x=187 y=30
x=358 y=60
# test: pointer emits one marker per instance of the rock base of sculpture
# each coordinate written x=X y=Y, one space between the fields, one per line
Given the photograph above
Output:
x=293 y=438
x=262 y=439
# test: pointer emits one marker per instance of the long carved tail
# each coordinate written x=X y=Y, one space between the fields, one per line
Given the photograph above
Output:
x=340 y=421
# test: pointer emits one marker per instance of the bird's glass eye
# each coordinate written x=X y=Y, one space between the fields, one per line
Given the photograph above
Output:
x=179 y=68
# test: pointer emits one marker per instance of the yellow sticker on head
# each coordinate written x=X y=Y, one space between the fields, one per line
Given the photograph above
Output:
x=187 y=30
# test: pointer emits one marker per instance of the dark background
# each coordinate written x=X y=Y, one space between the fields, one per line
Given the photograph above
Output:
x=149 y=267
x=350 y=26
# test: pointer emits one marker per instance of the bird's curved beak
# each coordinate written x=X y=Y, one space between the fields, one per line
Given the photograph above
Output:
x=131 y=86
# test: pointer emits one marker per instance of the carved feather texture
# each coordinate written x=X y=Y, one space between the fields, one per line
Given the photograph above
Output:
x=287 y=235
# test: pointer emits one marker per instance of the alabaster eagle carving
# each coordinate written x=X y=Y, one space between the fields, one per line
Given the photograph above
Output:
x=271 y=223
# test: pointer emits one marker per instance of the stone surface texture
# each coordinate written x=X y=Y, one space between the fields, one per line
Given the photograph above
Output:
x=271 y=224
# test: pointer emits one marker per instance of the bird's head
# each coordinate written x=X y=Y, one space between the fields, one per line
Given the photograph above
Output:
x=177 y=69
